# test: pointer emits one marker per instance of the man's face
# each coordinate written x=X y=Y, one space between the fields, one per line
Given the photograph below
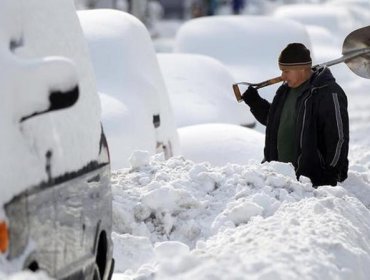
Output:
x=294 y=77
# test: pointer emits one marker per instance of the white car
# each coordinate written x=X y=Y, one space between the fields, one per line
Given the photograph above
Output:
x=136 y=109
x=56 y=202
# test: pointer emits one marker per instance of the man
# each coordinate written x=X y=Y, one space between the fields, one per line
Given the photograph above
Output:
x=307 y=121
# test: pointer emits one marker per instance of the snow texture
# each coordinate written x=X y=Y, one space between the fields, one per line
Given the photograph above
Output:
x=205 y=215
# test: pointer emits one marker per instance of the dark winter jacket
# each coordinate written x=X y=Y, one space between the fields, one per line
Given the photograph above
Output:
x=322 y=129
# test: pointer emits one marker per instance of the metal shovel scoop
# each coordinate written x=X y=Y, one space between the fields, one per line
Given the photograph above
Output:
x=355 y=53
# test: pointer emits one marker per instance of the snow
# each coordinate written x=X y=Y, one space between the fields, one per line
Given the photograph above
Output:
x=24 y=275
x=251 y=221
x=207 y=142
x=128 y=77
x=336 y=19
x=358 y=9
x=199 y=90
x=247 y=49
x=216 y=212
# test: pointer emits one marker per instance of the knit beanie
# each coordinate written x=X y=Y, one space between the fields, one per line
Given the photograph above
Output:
x=295 y=55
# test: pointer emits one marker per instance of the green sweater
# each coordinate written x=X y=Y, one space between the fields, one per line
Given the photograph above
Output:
x=286 y=144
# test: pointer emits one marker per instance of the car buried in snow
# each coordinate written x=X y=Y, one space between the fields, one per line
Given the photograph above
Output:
x=250 y=45
x=56 y=201
x=136 y=109
x=200 y=92
x=242 y=39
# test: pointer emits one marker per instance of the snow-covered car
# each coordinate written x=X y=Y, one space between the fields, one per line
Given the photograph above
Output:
x=249 y=46
x=358 y=9
x=327 y=25
x=56 y=201
x=200 y=90
x=136 y=111
x=337 y=19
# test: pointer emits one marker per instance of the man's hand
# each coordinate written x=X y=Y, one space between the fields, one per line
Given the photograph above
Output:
x=250 y=95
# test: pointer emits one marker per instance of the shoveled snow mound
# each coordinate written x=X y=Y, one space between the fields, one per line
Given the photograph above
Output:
x=26 y=275
x=256 y=221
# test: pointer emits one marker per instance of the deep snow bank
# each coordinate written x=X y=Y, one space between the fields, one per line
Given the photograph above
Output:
x=193 y=221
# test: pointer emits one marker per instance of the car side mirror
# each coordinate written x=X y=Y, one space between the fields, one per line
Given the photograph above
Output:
x=48 y=84
x=61 y=100
x=58 y=100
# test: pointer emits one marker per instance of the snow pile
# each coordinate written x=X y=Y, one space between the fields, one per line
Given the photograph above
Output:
x=323 y=237
x=252 y=220
x=25 y=275
x=230 y=217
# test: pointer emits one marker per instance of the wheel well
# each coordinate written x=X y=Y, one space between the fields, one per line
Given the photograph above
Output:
x=101 y=253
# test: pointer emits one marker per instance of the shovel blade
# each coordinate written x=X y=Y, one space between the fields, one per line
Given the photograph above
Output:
x=360 y=66
x=358 y=39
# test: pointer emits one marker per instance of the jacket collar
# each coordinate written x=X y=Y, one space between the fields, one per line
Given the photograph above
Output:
x=321 y=76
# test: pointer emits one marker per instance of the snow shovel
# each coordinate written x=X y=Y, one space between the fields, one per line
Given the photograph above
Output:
x=355 y=54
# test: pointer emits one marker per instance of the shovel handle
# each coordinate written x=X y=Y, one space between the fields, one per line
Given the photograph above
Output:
x=269 y=82
x=359 y=38
x=237 y=93
x=236 y=89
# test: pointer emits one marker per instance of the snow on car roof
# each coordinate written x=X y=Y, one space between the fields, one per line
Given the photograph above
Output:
x=245 y=44
x=200 y=89
x=334 y=18
x=249 y=46
x=127 y=70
